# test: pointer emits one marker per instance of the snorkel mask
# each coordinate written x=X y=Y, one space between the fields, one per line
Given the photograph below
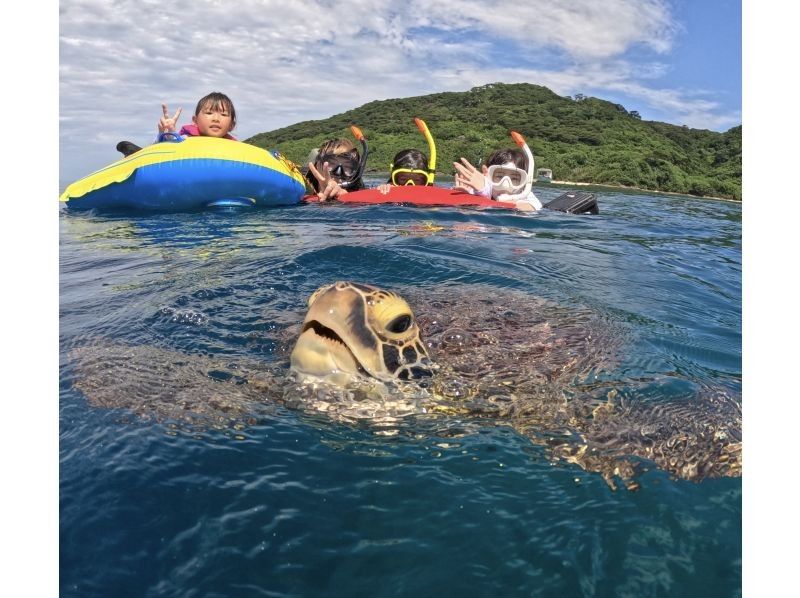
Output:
x=510 y=183
x=345 y=168
x=417 y=176
x=507 y=178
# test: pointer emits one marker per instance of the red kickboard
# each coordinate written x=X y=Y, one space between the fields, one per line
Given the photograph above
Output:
x=420 y=196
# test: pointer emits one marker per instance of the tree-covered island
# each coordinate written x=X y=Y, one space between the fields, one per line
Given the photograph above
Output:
x=581 y=139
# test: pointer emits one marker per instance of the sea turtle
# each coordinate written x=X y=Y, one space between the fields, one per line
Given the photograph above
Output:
x=507 y=358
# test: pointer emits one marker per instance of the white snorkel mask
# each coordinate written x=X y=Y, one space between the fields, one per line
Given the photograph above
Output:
x=510 y=183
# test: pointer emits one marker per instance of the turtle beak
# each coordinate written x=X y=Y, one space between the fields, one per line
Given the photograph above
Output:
x=320 y=353
x=336 y=340
x=353 y=330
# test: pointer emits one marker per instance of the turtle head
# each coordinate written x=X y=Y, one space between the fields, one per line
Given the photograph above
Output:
x=353 y=329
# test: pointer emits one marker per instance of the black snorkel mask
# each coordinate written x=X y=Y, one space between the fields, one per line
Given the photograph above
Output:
x=345 y=168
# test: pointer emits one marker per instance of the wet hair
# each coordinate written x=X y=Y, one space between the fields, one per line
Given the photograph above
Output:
x=341 y=145
x=513 y=155
x=409 y=158
x=217 y=100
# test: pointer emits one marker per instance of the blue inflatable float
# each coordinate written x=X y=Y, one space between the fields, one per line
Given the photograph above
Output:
x=193 y=173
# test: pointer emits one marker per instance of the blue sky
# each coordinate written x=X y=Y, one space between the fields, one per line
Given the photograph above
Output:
x=284 y=62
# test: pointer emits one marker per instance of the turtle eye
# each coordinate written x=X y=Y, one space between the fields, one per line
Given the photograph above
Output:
x=400 y=324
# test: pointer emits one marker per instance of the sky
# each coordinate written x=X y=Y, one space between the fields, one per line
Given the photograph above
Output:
x=677 y=61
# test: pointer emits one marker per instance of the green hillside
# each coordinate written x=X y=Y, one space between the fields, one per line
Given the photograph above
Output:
x=581 y=139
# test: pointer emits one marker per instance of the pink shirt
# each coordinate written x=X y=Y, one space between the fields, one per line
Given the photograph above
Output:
x=193 y=131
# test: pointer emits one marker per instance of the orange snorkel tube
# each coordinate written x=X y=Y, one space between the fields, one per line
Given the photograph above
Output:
x=520 y=141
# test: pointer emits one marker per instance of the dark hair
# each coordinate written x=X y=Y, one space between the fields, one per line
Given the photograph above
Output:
x=338 y=146
x=515 y=155
x=217 y=100
x=409 y=158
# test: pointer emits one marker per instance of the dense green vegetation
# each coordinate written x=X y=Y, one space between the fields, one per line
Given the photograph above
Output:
x=581 y=139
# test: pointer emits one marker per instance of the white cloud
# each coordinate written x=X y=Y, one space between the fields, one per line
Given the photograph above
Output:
x=693 y=109
x=283 y=62
x=585 y=29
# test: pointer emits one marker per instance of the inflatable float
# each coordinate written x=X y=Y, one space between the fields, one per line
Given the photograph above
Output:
x=193 y=173
x=418 y=196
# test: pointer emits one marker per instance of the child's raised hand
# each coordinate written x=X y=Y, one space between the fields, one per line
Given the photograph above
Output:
x=331 y=191
x=322 y=177
x=328 y=187
x=167 y=124
x=468 y=177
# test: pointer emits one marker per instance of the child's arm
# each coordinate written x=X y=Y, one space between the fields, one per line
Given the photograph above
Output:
x=529 y=204
x=534 y=201
x=523 y=205
x=167 y=124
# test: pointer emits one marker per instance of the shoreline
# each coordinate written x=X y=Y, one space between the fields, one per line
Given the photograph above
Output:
x=449 y=178
x=579 y=184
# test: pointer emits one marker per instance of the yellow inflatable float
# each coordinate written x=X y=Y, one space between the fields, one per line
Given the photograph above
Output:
x=191 y=173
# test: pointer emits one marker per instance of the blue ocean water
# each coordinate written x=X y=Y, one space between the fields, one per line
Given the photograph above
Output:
x=288 y=504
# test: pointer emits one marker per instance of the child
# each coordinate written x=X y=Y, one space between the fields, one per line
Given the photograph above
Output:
x=506 y=176
x=411 y=166
x=214 y=116
x=337 y=167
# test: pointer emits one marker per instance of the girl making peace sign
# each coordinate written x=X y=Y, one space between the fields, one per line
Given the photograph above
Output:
x=214 y=116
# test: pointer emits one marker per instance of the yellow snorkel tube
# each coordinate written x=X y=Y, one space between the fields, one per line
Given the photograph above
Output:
x=423 y=128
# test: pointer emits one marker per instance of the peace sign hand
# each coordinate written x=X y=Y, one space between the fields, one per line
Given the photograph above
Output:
x=167 y=124
x=328 y=187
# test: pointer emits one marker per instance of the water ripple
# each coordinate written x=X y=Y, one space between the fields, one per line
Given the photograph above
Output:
x=285 y=503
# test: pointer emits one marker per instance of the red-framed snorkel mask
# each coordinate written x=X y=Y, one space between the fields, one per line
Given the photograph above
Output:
x=346 y=169
x=504 y=174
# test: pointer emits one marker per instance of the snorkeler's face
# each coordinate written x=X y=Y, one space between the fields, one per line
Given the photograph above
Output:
x=507 y=178
x=213 y=121
x=342 y=167
x=406 y=176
